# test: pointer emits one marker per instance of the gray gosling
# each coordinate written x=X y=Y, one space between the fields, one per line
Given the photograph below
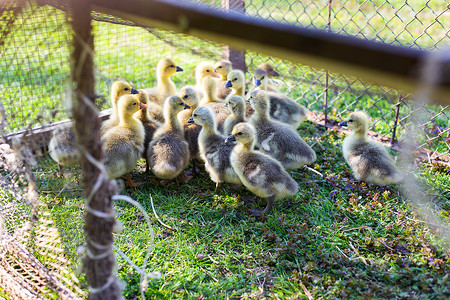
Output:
x=277 y=139
x=150 y=125
x=282 y=108
x=260 y=173
x=123 y=143
x=286 y=110
x=164 y=85
x=209 y=99
x=168 y=153
x=369 y=160
x=269 y=69
x=223 y=67
x=63 y=147
x=191 y=131
x=236 y=104
x=214 y=151
x=261 y=81
x=236 y=81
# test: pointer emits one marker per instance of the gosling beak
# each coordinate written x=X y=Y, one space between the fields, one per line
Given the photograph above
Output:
x=274 y=73
x=186 y=106
x=134 y=91
x=214 y=74
x=344 y=123
x=226 y=104
x=257 y=82
x=228 y=84
x=191 y=120
x=179 y=69
x=142 y=105
x=231 y=138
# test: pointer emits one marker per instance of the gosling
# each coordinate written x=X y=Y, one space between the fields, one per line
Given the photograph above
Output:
x=168 y=153
x=277 y=139
x=260 y=173
x=214 y=151
x=369 y=160
x=236 y=104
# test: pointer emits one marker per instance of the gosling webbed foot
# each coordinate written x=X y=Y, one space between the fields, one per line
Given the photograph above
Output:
x=181 y=179
x=147 y=167
x=129 y=182
x=218 y=186
x=269 y=204
x=256 y=212
x=195 y=167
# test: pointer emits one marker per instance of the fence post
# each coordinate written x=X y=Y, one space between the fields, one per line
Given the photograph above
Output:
x=326 y=72
x=98 y=264
x=237 y=57
x=397 y=114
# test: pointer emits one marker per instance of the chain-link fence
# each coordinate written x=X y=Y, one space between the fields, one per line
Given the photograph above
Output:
x=418 y=25
x=35 y=93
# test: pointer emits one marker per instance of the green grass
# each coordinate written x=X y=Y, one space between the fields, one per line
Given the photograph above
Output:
x=217 y=250
x=337 y=237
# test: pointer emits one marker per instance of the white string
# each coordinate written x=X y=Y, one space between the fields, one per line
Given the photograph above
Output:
x=431 y=72
x=156 y=215
x=103 y=287
x=144 y=275
x=98 y=183
x=98 y=256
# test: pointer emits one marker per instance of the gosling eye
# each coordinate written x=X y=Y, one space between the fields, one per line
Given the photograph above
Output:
x=262 y=78
x=234 y=79
x=172 y=66
x=181 y=103
x=350 y=121
x=134 y=103
x=239 y=133
x=185 y=96
x=126 y=89
x=219 y=67
x=195 y=115
x=207 y=70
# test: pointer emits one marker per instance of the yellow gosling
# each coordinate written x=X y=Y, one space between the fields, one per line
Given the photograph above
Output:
x=164 y=86
x=222 y=68
x=123 y=143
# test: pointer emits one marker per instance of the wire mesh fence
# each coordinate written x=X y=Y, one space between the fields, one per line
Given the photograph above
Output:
x=35 y=75
x=123 y=53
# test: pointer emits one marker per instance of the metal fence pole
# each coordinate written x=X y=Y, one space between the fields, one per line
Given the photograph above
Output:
x=397 y=114
x=326 y=72
x=237 y=57
x=99 y=262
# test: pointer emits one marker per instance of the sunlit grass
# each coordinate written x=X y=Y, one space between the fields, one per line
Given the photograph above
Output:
x=337 y=237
